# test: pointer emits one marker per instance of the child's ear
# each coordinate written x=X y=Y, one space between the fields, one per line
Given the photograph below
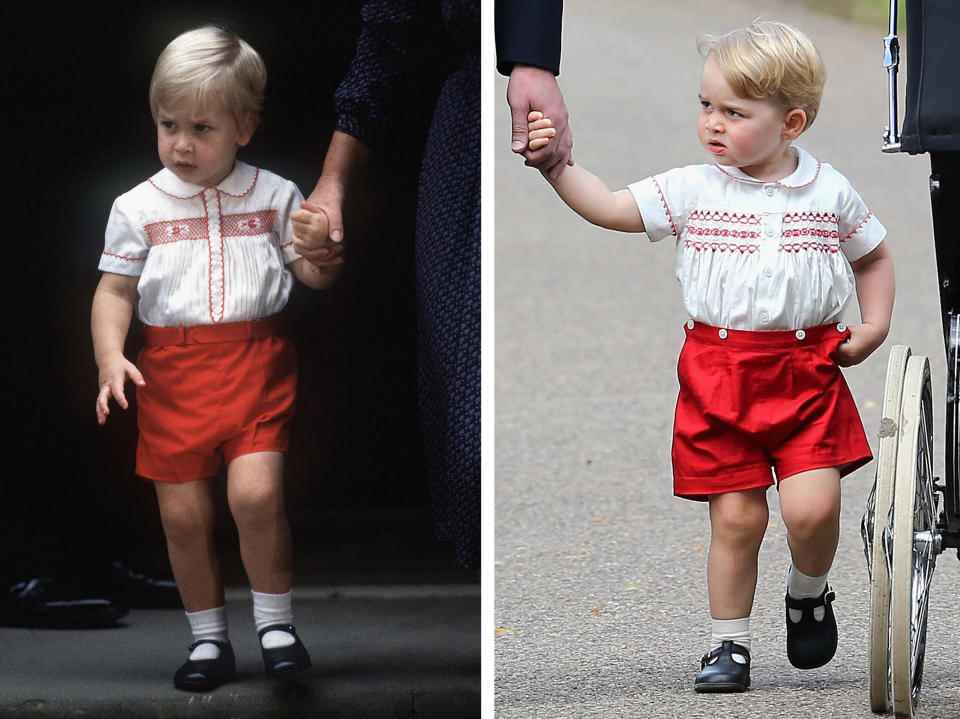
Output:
x=794 y=123
x=246 y=125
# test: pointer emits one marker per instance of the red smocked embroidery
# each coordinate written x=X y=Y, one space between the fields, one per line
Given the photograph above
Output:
x=166 y=231
x=720 y=246
x=124 y=257
x=812 y=232
x=742 y=218
x=827 y=217
x=666 y=208
x=816 y=246
x=859 y=227
x=212 y=267
x=722 y=232
x=248 y=224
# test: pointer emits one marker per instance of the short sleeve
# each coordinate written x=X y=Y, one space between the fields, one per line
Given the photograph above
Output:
x=125 y=246
x=860 y=230
x=663 y=201
x=289 y=203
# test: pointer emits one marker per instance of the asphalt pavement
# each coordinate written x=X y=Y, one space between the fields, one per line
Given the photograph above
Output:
x=600 y=572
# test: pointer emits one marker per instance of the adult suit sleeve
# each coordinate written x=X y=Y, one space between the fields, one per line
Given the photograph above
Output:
x=528 y=33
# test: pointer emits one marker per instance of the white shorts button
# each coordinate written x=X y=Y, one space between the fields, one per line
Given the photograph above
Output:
x=801 y=334
x=723 y=334
x=841 y=327
x=689 y=324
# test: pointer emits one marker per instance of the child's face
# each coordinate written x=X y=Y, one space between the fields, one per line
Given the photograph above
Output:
x=199 y=144
x=737 y=131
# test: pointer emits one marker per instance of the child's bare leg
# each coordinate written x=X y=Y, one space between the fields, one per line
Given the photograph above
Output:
x=187 y=512
x=810 y=507
x=255 y=495
x=738 y=521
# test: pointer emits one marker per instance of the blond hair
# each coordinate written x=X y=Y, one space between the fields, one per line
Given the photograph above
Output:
x=770 y=60
x=209 y=63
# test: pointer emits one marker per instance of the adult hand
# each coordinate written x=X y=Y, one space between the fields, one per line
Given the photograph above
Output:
x=533 y=88
x=863 y=340
x=113 y=374
x=318 y=224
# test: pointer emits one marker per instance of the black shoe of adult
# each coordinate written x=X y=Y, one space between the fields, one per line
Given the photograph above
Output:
x=284 y=661
x=811 y=643
x=44 y=603
x=139 y=591
x=725 y=669
x=203 y=675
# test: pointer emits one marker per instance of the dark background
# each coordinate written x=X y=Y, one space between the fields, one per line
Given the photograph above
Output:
x=78 y=133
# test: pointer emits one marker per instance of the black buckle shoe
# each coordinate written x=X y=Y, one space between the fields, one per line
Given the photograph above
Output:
x=811 y=644
x=203 y=675
x=44 y=603
x=284 y=661
x=720 y=672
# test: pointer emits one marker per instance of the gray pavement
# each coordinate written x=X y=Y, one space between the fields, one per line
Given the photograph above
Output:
x=600 y=582
x=378 y=651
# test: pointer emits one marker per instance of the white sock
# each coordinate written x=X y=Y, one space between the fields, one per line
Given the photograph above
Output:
x=734 y=630
x=801 y=586
x=208 y=624
x=273 y=609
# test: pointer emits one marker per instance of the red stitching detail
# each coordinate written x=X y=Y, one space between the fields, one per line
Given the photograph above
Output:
x=248 y=224
x=666 y=209
x=859 y=227
x=223 y=262
x=721 y=246
x=167 y=231
x=828 y=217
x=124 y=257
x=812 y=232
x=723 y=216
x=246 y=192
x=170 y=194
x=722 y=232
x=819 y=246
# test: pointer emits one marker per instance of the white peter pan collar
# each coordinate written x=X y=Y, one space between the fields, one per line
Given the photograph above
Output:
x=237 y=184
x=808 y=168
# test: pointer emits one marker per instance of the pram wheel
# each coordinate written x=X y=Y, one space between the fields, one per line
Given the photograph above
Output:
x=915 y=537
x=874 y=528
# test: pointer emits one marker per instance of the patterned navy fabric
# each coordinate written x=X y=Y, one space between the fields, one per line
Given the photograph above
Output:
x=403 y=45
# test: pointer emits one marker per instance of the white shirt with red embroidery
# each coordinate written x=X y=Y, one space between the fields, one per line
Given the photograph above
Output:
x=205 y=255
x=757 y=255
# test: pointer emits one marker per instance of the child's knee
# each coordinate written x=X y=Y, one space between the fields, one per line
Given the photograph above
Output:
x=185 y=523
x=739 y=520
x=808 y=520
x=256 y=505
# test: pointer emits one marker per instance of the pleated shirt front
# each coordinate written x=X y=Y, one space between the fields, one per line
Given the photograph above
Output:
x=205 y=255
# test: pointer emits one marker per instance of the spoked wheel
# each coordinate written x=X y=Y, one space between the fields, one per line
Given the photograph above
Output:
x=873 y=527
x=916 y=541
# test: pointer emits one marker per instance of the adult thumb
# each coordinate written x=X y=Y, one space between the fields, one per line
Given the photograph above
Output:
x=519 y=138
x=335 y=222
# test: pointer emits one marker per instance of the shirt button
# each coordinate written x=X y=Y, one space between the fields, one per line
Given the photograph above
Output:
x=801 y=334
x=723 y=334
x=841 y=327
x=769 y=232
x=767 y=272
x=769 y=189
x=689 y=324
x=764 y=317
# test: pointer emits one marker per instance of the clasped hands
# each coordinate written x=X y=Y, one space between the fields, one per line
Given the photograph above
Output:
x=318 y=225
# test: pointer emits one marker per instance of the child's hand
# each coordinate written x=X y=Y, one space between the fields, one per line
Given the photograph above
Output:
x=312 y=237
x=540 y=130
x=113 y=374
x=864 y=339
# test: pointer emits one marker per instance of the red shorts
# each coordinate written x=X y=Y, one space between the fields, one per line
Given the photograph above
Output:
x=750 y=401
x=213 y=393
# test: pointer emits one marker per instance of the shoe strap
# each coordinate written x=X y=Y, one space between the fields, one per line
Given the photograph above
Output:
x=727 y=647
x=221 y=644
x=288 y=628
x=811 y=602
